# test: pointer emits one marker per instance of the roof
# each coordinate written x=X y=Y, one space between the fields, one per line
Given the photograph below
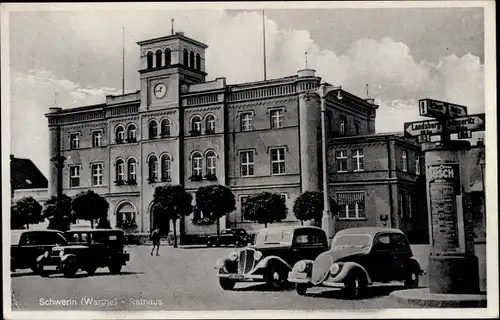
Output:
x=368 y=230
x=87 y=229
x=24 y=174
x=289 y=228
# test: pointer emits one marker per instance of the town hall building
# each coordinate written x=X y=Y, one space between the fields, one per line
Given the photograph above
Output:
x=259 y=136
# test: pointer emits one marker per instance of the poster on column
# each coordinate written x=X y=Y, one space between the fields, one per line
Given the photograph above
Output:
x=444 y=184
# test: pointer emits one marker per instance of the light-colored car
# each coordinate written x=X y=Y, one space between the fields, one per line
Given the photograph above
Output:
x=357 y=258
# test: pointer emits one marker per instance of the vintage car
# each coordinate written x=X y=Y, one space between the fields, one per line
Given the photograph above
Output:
x=236 y=236
x=86 y=249
x=357 y=258
x=272 y=256
x=27 y=246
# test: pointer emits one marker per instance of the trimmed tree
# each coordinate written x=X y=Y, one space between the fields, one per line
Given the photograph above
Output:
x=27 y=211
x=90 y=206
x=215 y=201
x=58 y=213
x=309 y=206
x=170 y=204
x=16 y=221
x=265 y=207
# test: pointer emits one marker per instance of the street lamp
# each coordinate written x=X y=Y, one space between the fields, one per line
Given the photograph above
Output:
x=59 y=164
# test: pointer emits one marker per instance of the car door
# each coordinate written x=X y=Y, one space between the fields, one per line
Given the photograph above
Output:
x=379 y=263
x=401 y=252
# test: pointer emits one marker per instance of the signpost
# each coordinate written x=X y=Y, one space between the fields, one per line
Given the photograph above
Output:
x=462 y=125
x=440 y=109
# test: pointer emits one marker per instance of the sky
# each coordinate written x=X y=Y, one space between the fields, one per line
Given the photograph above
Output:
x=73 y=57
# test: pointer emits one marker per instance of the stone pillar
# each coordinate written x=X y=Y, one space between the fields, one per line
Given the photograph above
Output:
x=54 y=150
x=309 y=120
x=453 y=266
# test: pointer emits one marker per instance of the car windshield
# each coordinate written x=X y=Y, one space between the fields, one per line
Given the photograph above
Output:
x=351 y=240
x=274 y=237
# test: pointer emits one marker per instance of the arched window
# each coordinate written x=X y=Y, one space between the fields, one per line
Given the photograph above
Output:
x=153 y=168
x=131 y=133
x=210 y=124
x=152 y=129
x=198 y=61
x=158 y=58
x=186 y=57
x=166 y=167
x=211 y=160
x=125 y=216
x=120 y=172
x=168 y=57
x=195 y=125
x=165 y=128
x=191 y=59
x=196 y=164
x=120 y=134
x=150 y=59
x=132 y=171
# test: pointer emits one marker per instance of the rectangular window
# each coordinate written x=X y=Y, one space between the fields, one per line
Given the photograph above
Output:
x=74 y=173
x=96 y=174
x=343 y=121
x=276 y=118
x=358 y=160
x=246 y=121
x=352 y=205
x=96 y=138
x=247 y=163
x=404 y=160
x=74 y=140
x=341 y=160
x=417 y=164
x=278 y=161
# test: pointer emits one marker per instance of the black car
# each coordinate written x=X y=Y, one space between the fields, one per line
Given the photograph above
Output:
x=272 y=256
x=237 y=237
x=31 y=244
x=357 y=258
x=86 y=249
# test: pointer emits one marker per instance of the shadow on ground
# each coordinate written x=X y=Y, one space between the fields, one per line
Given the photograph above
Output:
x=264 y=287
x=371 y=292
x=97 y=274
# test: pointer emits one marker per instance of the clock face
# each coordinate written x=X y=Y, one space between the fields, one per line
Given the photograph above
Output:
x=160 y=90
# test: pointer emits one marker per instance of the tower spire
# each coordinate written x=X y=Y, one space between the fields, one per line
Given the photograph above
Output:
x=172 y=25
x=306 y=59
x=123 y=60
x=367 y=94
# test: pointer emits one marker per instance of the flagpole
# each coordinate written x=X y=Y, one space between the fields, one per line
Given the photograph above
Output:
x=264 y=43
x=123 y=60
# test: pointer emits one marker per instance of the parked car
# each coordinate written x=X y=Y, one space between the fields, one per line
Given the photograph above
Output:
x=357 y=258
x=27 y=246
x=237 y=237
x=272 y=256
x=87 y=249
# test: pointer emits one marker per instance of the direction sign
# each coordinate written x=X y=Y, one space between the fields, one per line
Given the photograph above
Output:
x=440 y=109
x=473 y=122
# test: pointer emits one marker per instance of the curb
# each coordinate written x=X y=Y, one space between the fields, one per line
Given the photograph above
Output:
x=422 y=297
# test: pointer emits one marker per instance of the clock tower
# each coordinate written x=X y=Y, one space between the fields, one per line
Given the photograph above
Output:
x=167 y=63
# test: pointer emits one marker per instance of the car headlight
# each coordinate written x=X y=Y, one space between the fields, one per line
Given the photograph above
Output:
x=61 y=253
x=334 y=269
x=233 y=256
x=301 y=266
x=46 y=254
x=257 y=255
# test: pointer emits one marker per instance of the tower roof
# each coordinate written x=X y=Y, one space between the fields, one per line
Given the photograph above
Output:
x=177 y=35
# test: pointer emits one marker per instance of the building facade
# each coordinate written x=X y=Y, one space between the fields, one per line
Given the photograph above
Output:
x=181 y=129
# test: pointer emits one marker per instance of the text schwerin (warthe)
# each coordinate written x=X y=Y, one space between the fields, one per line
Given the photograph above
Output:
x=101 y=302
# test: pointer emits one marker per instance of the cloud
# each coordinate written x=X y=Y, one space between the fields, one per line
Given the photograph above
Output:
x=394 y=77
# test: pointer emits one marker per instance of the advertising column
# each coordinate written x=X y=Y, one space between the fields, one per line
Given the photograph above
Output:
x=453 y=266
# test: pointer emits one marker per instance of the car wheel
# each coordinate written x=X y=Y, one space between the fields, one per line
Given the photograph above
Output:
x=301 y=289
x=115 y=267
x=274 y=278
x=411 y=279
x=227 y=284
x=69 y=267
x=354 y=285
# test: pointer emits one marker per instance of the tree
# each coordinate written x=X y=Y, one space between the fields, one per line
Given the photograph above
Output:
x=16 y=221
x=215 y=201
x=90 y=206
x=265 y=207
x=58 y=212
x=310 y=205
x=170 y=204
x=27 y=211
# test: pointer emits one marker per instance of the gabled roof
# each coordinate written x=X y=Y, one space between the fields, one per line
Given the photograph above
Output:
x=24 y=174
